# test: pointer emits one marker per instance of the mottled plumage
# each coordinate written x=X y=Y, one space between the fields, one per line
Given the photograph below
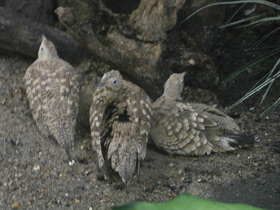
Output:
x=180 y=128
x=224 y=122
x=120 y=117
x=52 y=92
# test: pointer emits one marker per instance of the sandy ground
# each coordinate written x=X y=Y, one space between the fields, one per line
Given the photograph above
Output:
x=34 y=173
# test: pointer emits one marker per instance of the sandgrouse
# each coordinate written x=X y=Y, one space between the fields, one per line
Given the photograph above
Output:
x=52 y=91
x=178 y=128
x=120 y=118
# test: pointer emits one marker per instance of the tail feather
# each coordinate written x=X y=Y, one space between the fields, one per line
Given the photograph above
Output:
x=123 y=151
x=67 y=152
x=126 y=167
x=238 y=140
x=241 y=140
x=65 y=139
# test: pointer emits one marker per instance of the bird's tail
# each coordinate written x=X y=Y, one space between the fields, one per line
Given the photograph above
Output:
x=232 y=142
x=127 y=167
x=123 y=161
x=241 y=140
x=66 y=140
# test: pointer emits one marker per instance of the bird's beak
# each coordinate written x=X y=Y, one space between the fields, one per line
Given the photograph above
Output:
x=43 y=37
x=101 y=84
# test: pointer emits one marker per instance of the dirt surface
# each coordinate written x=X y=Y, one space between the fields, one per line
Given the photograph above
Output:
x=35 y=175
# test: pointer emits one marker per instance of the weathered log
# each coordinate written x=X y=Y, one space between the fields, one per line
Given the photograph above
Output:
x=21 y=36
x=152 y=19
x=136 y=55
x=135 y=59
x=137 y=45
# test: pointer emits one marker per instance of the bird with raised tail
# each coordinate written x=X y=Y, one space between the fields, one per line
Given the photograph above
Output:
x=52 y=92
x=183 y=129
x=120 y=117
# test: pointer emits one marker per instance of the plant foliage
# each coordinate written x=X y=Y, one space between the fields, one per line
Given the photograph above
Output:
x=186 y=202
x=253 y=21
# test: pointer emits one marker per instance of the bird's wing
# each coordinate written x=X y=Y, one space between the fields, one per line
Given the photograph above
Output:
x=180 y=130
x=40 y=94
x=122 y=150
x=140 y=113
x=225 y=123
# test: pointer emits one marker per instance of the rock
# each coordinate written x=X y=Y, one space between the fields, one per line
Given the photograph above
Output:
x=38 y=11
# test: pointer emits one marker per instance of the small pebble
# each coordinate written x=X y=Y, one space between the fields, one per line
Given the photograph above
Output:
x=192 y=62
x=15 y=205
x=252 y=109
x=156 y=191
x=3 y=101
x=62 y=175
x=255 y=164
x=71 y=163
x=16 y=91
x=36 y=168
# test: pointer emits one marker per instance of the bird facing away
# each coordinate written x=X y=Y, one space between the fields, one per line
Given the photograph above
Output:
x=120 y=118
x=178 y=128
x=52 y=91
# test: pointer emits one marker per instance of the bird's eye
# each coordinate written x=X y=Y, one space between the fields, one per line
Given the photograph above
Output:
x=42 y=49
x=182 y=82
x=115 y=81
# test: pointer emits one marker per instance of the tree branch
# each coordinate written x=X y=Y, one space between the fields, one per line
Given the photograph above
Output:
x=21 y=36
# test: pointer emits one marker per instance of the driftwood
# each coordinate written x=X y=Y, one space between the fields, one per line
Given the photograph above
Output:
x=134 y=50
x=137 y=44
x=21 y=36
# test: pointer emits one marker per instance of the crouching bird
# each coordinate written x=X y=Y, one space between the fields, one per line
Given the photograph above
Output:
x=197 y=129
x=120 y=117
x=52 y=92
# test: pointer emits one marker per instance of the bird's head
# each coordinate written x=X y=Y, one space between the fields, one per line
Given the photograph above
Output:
x=108 y=89
x=173 y=86
x=112 y=81
x=47 y=49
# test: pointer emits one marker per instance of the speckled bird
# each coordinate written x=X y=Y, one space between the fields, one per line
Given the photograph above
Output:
x=120 y=118
x=178 y=128
x=52 y=92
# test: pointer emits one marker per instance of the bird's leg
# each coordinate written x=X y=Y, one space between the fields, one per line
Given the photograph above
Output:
x=68 y=152
x=138 y=166
x=102 y=166
x=71 y=161
x=125 y=186
x=125 y=176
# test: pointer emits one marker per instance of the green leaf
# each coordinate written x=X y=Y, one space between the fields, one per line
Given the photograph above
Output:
x=185 y=202
x=256 y=89
x=267 y=3
x=263 y=20
x=270 y=108
x=265 y=37
x=270 y=73
x=240 y=21
x=253 y=63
